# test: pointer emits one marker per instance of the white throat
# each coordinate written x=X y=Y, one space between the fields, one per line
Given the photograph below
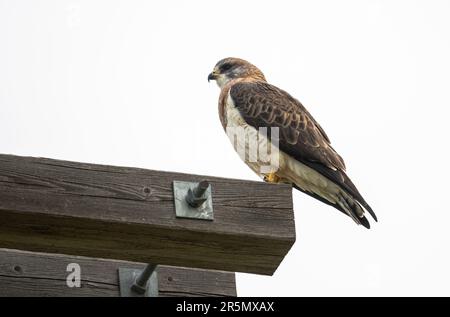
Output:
x=222 y=81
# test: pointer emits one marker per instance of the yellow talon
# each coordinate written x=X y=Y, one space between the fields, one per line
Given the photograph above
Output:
x=272 y=178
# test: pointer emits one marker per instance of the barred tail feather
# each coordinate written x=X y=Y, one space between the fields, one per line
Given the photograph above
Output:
x=346 y=204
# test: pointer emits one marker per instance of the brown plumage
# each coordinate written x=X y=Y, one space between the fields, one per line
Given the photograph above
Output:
x=309 y=162
x=262 y=104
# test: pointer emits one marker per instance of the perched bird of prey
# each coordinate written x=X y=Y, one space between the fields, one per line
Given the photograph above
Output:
x=306 y=158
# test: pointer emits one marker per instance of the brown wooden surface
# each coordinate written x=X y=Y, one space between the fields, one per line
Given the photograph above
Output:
x=39 y=274
x=128 y=214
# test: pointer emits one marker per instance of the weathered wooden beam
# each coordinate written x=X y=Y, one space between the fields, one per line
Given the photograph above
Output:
x=128 y=214
x=40 y=274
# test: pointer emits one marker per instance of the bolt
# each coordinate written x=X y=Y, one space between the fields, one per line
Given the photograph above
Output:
x=196 y=197
x=201 y=189
x=140 y=284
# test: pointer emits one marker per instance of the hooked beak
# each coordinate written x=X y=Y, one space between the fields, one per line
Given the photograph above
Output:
x=212 y=76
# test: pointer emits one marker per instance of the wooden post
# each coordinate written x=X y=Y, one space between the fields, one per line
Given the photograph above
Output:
x=128 y=214
x=40 y=274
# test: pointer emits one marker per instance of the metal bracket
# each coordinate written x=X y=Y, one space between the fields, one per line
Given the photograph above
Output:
x=193 y=200
x=138 y=283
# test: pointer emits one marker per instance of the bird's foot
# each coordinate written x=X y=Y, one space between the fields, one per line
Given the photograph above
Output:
x=272 y=178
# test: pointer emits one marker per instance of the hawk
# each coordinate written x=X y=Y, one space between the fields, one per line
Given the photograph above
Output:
x=306 y=158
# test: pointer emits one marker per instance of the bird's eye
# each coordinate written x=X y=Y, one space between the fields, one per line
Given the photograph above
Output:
x=225 y=67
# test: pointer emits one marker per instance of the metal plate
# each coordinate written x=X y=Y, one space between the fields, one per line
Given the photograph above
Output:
x=127 y=278
x=184 y=210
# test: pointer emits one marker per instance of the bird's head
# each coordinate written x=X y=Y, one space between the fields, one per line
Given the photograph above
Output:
x=232 y=68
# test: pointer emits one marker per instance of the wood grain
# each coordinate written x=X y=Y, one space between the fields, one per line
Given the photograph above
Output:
x=39 y=274
x=128 y=214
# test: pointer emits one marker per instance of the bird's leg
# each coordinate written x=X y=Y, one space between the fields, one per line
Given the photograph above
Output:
x=272 y=178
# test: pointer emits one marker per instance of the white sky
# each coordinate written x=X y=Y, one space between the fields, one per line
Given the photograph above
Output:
x=124 y=83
